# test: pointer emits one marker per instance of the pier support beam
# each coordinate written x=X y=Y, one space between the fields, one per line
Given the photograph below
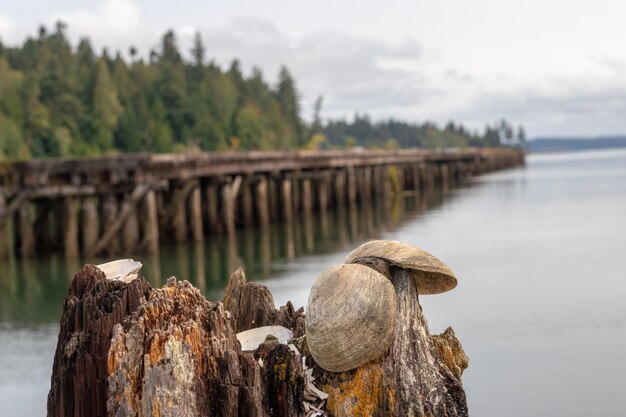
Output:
x=352 y=184
x=340 y=188
x=247 y=206
x=416 y=179
x=287 y=201
x=129 y=207
x=229 y=199
x=150 y=223
x=43 y=236
x=272 y=199
x=195 y=211
x=109 y=216
x=322 y=194
x=262 y=203
x=5 y=251
x=179 y=214
x=25 y=234
x=307 y=197
x=70 y=227
x=89 y=222
x=213 y=218
x=130 y=232
x=295 y=192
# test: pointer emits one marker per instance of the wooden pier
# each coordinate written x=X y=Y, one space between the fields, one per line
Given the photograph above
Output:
x=131 y=203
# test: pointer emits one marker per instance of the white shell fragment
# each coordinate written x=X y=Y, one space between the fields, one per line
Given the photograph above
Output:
x=124 y=270
x=251 y=339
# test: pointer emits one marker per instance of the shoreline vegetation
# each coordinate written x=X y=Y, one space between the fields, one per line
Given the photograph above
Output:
x=61 y=100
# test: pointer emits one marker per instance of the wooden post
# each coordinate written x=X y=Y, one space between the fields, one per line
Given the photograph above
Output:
x=444 y=174
x=199 y=258
x=354 y=221
x=109 y=216
x=307 y=197
x=5 y=251
x=112 y=229
x=247 y=207
x=272 y=193
x=351 y=185
x=229 y=200
x=323 y=206
x=195 y=209
x=179 y=215
x=70 y=227
x=340 y=188
x=213 y=218
x=43 y=235
x=262 y=203
x=287 y=201
x=130 y=232
x=322 y=194
x=309 y=233
x=289 y=240
x=79 y=377
x=387 y=184
x=295 y=191
x=228 y=209
x=24 y=232
x=150 y=223
x=367 y=183
x=89 y=222
x=416 y=179
x=401 y=182
x=266 y=249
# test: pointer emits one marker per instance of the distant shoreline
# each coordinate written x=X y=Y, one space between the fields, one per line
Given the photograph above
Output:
x=552 y=145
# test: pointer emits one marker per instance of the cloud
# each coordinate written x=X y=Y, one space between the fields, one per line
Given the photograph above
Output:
x=586 y=104
x=353 y=73
x=7 y=29
x=402 y=79
x=116 y=24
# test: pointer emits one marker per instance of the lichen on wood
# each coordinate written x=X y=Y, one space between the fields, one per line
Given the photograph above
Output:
x=126 y=349
x=92 y=308
x=252 y=305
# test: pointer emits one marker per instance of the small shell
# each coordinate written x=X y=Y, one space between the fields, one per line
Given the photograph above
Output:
x=123 y=269
x=251 y=339
x=435 y=276
x=350 y=317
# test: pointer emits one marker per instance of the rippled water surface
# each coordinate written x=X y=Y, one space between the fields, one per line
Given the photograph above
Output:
x=540 y=253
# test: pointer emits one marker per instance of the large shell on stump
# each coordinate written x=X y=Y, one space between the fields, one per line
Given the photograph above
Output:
x=350 y=317
x=432 y=276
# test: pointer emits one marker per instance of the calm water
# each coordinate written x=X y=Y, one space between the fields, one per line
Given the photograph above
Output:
x=540 y=253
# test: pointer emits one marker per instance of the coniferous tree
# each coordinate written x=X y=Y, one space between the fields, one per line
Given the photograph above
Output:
x=57 y=100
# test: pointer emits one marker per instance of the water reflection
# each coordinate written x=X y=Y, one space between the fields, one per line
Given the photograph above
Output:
x=33 y=291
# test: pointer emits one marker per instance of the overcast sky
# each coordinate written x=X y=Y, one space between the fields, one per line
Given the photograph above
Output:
x=557 y=66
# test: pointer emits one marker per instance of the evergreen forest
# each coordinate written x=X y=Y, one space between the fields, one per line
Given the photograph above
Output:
x=60 y=100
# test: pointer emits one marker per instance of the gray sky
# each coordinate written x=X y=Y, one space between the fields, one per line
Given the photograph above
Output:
x=557 y=66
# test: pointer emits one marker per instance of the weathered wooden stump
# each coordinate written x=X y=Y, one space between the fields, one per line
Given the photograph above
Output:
x=126 y=349
x=91 y=309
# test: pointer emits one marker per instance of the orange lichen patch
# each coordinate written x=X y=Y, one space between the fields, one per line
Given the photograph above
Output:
x=111 y=360
x=156 y=348
x=156 y=408
x=193 y=339
x=360 y=396
x=449 y=349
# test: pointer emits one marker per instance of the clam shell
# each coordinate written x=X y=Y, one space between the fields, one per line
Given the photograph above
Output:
x=251 y=339
x=350 y=317
x=123 y=269
x=435 y=276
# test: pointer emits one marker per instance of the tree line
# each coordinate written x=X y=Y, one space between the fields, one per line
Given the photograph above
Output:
x=60 y=100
